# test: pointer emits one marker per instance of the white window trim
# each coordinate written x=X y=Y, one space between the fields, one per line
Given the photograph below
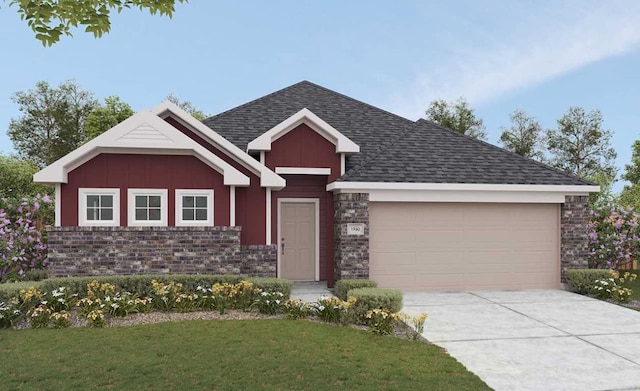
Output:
x=83 y=192
x=131 y=208
x=194 y=192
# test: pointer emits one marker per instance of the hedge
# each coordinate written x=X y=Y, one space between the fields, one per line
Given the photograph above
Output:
x=343 y=287
x=375 y=298
x=582 y=281
x=141 y=284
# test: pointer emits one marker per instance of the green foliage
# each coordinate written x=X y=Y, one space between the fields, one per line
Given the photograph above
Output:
x=343 y=287
x=632 y=171
x=580 y=145
x=140 y=284
x=272 y=285
x=16 y=179
x=615 y=287
x=269 y=302
x=368 y=299
x=606 y=195
x=297 y=309
x=582 y=281
x=381 y=322
x=12 y=289
x=457 y=116
x=334 y=310
x=524 y=136
x=50 y=19
x=187 y=106
x=52 y=122
x=106 y=116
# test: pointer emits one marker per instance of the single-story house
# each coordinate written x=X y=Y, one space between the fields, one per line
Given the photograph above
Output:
x=309 y=184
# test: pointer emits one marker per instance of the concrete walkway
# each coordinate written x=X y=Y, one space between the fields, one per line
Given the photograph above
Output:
x=310 y=291
x=535 y=340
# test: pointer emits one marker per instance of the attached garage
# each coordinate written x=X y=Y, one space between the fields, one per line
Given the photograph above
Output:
x=463 y=246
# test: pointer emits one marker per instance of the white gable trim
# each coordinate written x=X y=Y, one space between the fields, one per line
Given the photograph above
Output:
x=460 y=192
x=303 y=170
x=143 y=132
x=343 y=143
x=267 y=177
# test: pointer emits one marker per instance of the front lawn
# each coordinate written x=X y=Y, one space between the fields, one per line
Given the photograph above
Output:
x=254 y=354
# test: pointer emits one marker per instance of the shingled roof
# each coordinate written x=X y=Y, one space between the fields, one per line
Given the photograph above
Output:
x=392 y=148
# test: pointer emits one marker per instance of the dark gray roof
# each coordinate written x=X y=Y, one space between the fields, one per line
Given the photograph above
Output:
x=392 y=148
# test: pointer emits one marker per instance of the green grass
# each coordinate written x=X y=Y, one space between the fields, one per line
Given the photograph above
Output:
x=271 y=354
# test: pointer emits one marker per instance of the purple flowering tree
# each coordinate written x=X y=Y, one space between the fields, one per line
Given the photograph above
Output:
x=613 y=237
x=22 y=244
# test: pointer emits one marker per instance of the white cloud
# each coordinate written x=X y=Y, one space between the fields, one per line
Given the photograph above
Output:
x=527 y=49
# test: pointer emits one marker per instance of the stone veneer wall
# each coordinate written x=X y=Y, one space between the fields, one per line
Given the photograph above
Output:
x=94 y=251
x=574 y=244
x=351 y=252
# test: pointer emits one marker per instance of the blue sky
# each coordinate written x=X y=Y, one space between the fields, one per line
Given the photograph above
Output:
x=541 y=56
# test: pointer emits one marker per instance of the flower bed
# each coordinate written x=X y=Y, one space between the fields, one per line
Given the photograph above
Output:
x=101 y=304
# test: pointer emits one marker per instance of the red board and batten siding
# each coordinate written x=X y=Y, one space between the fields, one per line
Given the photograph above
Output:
x=311 y=186
x=125 y=171
x=304 y=147
x=251 y=201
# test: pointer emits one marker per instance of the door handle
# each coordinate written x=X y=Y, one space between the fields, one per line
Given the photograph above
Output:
x=282 y=244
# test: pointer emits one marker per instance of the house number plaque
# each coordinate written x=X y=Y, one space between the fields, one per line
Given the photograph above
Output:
x=356 y=229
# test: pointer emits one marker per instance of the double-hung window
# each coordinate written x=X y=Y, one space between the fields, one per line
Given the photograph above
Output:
x=98 y=207
x=147 y=207
x=194 y=207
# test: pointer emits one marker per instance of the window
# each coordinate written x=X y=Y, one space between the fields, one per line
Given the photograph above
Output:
x=147 y=207
x=194 y=207
x=98 y=207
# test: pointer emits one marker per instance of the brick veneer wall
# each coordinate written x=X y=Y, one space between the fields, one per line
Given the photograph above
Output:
x=89 y=251
x=351 y=252
x=574 y=245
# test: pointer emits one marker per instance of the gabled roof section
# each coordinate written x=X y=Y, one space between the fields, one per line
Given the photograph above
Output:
x=305 y=116
x=144 y=132
x=268 y=178
x=431 y=154
x=371 y=128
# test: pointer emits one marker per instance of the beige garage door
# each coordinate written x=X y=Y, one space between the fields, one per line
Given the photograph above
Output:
x=436 y=246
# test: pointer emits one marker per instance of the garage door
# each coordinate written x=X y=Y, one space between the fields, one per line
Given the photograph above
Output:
x=436 y=246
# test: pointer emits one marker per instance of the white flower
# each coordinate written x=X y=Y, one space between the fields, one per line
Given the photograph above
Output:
x=44 y=302
x=321 y=308
x=277 y=301
x=265 y=294
x=61 y=300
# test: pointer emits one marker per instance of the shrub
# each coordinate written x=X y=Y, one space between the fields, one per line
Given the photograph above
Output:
x=381 y=322
x=583 y=281
x=12 y=289
x=273 y=285
x=164 y=296
x=343 y=287
x=22 y=245
x=613 y=237
x=368 y=299
x=269 y=302
x=297 y=309
x=9 y=314
x=334 y=309
x=140 y=284
x=614 y=287
x=60 y=320
x=39 y=316
x=417 y=324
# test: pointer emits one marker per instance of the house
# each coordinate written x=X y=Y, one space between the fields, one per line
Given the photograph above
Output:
x=308 y=184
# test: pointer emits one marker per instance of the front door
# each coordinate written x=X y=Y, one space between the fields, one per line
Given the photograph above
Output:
x=298 y=241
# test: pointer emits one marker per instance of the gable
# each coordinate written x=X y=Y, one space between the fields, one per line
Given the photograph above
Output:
x=342 y=143
x=143 y=133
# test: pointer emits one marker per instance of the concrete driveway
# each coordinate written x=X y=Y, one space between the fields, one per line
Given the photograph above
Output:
x=536 y=339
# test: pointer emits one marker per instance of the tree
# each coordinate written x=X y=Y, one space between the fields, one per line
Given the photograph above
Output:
x=103 y=118
x=16 y=179
x=524 y=136
x=52 y=123
x=630 y=194
x=581 y=146
x=50 y=19
x=456 y=116
x=187 y=106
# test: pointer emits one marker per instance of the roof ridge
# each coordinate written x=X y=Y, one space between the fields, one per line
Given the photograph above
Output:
x=541 y=164
x=357 y=101
x=255 y=100
x=306 y=82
